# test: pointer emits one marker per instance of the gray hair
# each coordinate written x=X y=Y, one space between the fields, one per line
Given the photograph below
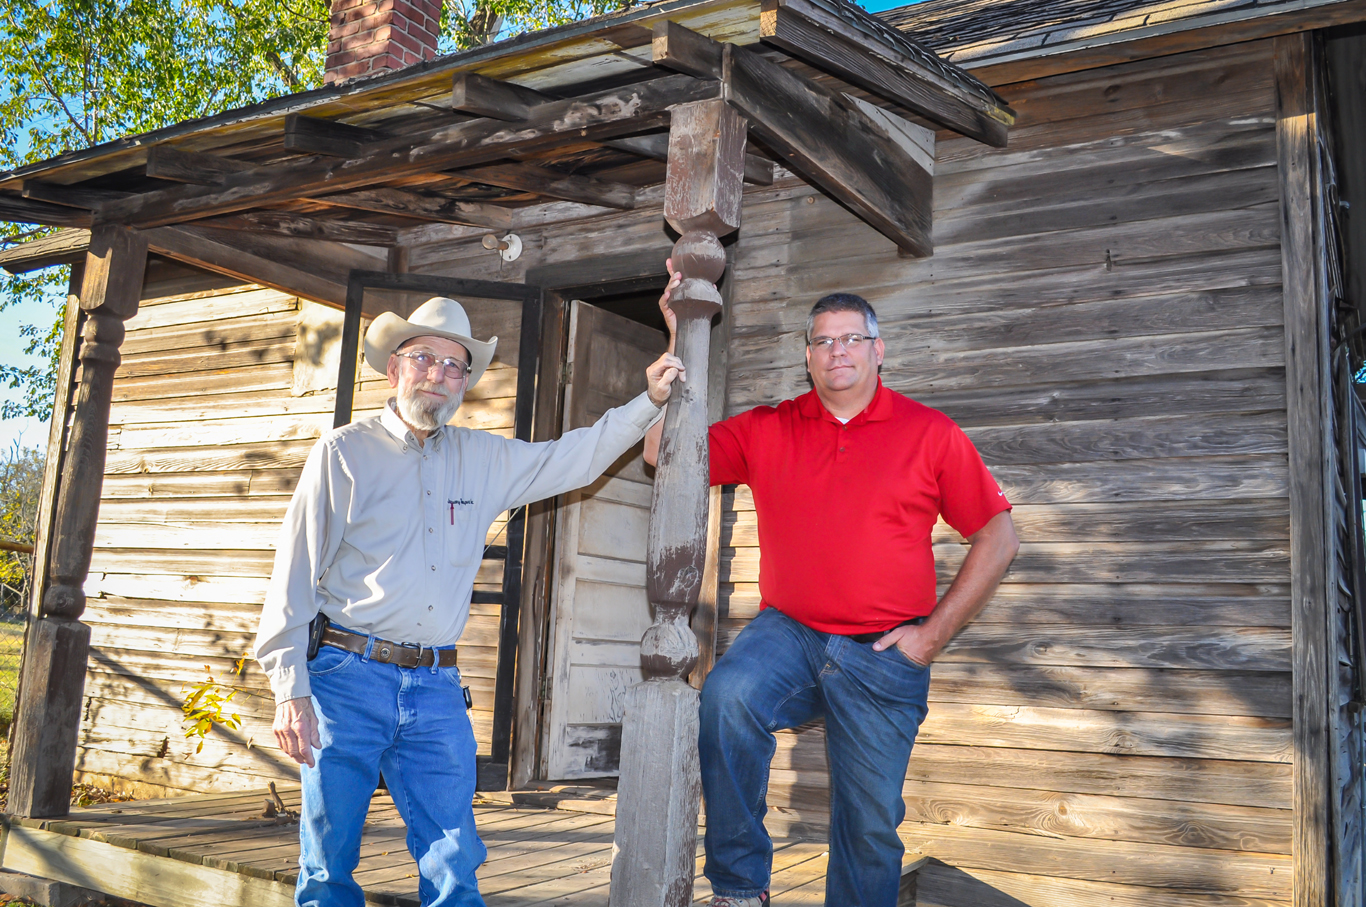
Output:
x=842 y=302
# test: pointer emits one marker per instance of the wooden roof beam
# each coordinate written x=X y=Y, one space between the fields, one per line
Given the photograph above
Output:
x=586 y=190
x=19 y=210
x=758 y=170
x=315 y=136
x=299 y=226
x=493 y=98
x=422 y=207
x=601 y=115
x=890 y=65
x=61 y=248
x=857 y=159
x=319 y=272
x=167 y=163
x=70 y=196
x=164 y=162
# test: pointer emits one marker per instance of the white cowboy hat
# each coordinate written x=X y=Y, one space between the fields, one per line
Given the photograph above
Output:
x=437 y=317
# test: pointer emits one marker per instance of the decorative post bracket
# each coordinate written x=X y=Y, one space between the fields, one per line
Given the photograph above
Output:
x=660 y=785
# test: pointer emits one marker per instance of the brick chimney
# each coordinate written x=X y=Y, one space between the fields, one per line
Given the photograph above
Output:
x=374 y=36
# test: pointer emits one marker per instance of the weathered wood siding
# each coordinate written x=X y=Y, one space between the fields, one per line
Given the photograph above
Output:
x=1103 y=315
x=222 y=393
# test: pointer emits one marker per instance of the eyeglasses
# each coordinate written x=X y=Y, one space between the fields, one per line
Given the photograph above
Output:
x=426 y=362
x=850 y=342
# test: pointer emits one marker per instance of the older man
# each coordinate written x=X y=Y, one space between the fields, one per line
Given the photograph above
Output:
x=378 y=555
x=848 y=481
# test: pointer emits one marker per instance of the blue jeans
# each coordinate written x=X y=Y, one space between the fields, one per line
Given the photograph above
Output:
x=411 y=724
x=780 y=674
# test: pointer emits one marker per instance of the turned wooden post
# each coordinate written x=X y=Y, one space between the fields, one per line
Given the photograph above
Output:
x=659 y=788
x=48 y=716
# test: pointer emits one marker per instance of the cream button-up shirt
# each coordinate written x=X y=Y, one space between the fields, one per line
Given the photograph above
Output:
x=385 y=536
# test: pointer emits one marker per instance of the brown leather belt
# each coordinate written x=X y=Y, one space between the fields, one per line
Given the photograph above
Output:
x=392 y=653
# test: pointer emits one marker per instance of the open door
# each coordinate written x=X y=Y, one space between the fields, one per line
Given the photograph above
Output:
x=598 y=610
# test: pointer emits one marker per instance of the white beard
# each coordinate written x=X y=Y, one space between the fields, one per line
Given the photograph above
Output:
x=424 y=414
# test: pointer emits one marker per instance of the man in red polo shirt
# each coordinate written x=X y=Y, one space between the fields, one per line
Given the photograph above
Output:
x=848 y=482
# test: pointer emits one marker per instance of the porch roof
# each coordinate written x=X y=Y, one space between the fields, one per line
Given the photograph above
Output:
x=120 y=181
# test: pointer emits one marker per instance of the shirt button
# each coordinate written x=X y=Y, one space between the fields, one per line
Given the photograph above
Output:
x=841 y=450
x=429 y=607
x=433 y=566
x=430 y=529
x=429 y=494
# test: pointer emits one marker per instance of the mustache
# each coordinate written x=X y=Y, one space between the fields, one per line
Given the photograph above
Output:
x=433 y=388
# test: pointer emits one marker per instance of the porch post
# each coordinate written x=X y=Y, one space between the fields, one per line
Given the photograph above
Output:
x=659 y=787
x=49 y=710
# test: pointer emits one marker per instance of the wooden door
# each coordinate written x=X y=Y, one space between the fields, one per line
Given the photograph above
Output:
x=599 y=610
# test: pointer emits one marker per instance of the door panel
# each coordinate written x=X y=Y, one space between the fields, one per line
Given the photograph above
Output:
x=599 y=610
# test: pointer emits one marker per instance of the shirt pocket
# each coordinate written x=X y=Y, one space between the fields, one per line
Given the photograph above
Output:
x=464 y=540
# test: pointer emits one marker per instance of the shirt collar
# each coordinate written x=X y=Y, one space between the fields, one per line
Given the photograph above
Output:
x=391 y=421
x=879 y=409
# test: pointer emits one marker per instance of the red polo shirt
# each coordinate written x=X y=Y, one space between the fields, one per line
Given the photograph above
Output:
x=845 y=511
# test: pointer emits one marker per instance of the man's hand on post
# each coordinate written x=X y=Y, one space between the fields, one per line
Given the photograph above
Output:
x=296 y=729
x=662 y=371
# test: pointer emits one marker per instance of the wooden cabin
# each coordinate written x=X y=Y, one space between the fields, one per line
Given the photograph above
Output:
x=1144 y=307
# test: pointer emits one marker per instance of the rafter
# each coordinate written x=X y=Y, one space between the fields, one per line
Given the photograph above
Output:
x=313 y=270
x=552 y=184
x=889 y=65
x=167 y=163
x=485 y=97
x=758 y=170
x=823 y=136
x=70 y=196
x=505 y=101
x=422 y=207
x=60 y=248
x=600 y=115
x=19 y=210
x=299 y=226
x=313 y=135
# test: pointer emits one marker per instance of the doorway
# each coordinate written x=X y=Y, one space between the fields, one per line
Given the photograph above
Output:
x=598 y=609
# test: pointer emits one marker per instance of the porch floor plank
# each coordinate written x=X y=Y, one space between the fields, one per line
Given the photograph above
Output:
x=537 y=854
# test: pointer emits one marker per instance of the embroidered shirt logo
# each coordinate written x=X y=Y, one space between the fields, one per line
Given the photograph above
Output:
x=461 y=504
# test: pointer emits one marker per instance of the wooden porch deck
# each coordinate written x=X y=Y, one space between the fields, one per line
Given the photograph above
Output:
x=218 y=849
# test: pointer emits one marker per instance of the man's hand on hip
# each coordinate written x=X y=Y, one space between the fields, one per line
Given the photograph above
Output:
x=913 y=641
x=296 y=729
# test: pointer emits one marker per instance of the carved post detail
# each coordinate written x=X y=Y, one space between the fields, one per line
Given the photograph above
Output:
x=660 y=786
x=49 y=710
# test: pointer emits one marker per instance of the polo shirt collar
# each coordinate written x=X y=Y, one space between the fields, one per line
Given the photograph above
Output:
x=393 y=424
x=879 y=409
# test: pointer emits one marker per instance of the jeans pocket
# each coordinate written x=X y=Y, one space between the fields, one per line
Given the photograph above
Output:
x=330 y=660
x=905 y=659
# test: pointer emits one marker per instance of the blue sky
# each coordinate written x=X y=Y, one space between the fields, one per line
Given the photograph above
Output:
x=31 y=432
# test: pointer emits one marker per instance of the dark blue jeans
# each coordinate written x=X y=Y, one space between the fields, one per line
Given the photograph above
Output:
x=780 y=674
